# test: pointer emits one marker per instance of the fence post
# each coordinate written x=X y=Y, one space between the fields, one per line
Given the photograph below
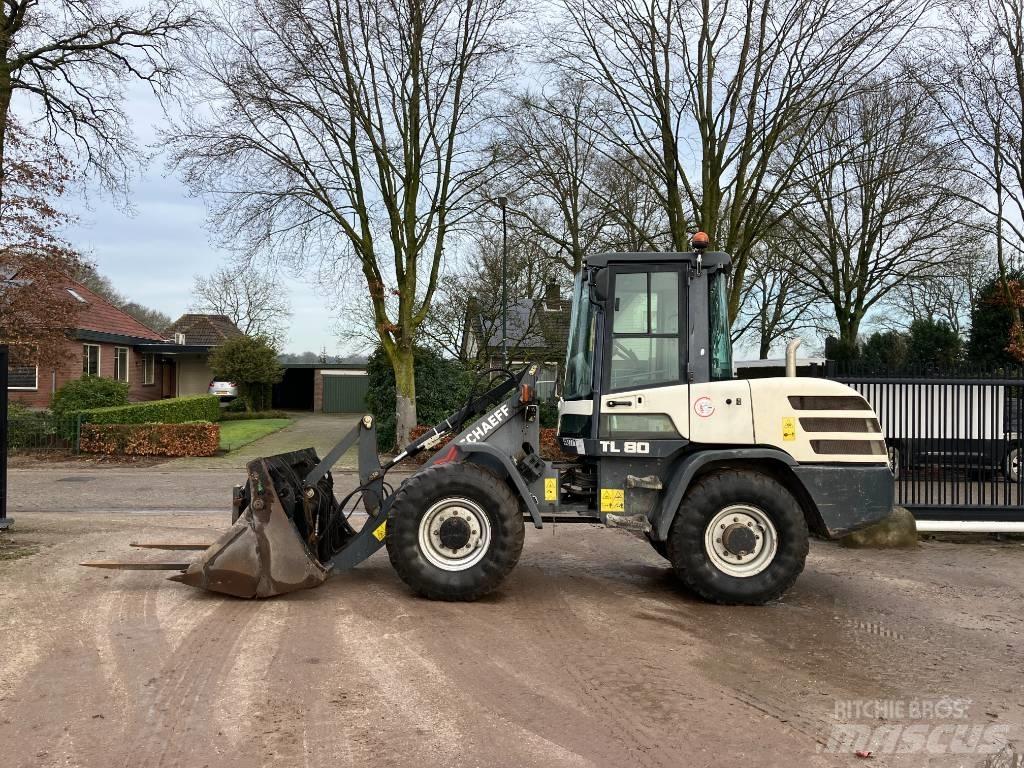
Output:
x=5 y=521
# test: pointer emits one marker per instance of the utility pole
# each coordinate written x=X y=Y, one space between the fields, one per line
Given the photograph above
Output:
x=503 y=204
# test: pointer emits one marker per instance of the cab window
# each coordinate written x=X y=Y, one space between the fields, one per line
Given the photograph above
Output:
x=645 y=342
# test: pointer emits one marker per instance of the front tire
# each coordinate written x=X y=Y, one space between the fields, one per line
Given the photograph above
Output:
x=454 y=532
x=739 y=538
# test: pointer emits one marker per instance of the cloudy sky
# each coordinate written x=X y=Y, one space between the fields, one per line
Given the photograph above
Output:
x=152 y=253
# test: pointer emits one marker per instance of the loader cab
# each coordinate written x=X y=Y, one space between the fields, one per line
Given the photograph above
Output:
x=642 y=323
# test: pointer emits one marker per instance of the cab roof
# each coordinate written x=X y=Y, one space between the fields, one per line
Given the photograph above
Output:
x=710 y=259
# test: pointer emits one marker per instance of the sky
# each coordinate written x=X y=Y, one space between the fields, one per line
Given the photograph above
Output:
x=152 y=253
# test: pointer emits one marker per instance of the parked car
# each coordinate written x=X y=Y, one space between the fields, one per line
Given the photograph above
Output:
x=225 y=390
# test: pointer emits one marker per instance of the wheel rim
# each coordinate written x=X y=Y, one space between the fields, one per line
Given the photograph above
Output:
x=1014 y=464
x=454 y=534
x=741 y=540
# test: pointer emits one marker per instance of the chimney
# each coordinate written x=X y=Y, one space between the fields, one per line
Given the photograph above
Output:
x=552 y=294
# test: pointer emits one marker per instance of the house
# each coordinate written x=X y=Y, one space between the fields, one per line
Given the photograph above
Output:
x=538 y=331
x=106 y=342
x=194 y=336
x=109 y=342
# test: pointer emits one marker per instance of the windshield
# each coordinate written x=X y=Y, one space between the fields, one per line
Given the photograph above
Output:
x=579 y=361
x=721 y=344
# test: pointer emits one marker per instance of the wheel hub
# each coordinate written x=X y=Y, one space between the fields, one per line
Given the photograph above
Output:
x=740 y=540
x=454 y=533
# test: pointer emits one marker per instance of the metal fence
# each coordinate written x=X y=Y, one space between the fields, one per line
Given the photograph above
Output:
x=31 y=431
x=4 y=520
x=955 y=441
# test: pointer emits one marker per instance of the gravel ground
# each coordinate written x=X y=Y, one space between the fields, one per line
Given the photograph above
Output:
x=589 y=655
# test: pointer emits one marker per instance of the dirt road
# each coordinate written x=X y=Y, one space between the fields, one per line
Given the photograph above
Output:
x=588 y=656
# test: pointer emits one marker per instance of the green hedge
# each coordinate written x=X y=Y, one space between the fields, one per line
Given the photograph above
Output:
x=243 y=416
x=177 y=410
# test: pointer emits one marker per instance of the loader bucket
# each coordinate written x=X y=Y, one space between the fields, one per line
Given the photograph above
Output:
x=281 y=535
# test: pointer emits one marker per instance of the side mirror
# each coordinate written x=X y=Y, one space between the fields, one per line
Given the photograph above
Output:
x=599 y=286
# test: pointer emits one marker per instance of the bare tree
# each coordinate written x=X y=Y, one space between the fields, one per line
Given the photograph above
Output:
x=705 y=95
x=473 y=293
x=549 y=154
x=776 y=303
x=947 y=291
x=980 y=94
x=349 y=134
x=254 y=299
x=635 y=216
x=885 y=202
x=70 y=59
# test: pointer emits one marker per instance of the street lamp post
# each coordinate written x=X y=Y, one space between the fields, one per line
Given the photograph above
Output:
x=503 y=204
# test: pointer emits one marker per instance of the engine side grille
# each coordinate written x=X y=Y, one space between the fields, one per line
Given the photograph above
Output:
x=828 y=403
x=849 y=447
x=839 y=424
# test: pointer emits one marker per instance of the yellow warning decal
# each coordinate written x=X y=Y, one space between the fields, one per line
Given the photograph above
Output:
x=613 y=500
x=550 y=489
x=379 y=533
x=788 y=428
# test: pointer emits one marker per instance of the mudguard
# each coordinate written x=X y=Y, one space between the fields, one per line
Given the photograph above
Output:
x=688 y=468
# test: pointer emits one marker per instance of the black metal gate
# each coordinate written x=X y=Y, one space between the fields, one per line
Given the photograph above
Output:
x=954 y=442
x=4 y=520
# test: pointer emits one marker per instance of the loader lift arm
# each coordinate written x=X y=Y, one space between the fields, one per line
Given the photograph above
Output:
x=289 y=532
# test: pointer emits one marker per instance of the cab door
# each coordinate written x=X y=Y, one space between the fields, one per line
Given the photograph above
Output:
x=644 y=389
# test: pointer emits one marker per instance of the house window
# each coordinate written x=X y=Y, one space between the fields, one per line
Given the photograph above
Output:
x=90 y=360
x=23 y=377
x=121 y=363
x=149 y=369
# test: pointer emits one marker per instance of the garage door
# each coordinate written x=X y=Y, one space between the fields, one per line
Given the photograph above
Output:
x=345 y=394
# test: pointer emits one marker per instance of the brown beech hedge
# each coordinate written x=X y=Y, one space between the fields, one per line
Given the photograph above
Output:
x=198 y=438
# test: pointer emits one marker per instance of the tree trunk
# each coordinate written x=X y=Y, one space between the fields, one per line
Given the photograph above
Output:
x=405 y=394
x=5 y=113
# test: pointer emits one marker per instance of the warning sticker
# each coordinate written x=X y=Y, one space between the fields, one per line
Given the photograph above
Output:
x=379 y=533
x=550 y=489
x=788 y=428
x=613 y=500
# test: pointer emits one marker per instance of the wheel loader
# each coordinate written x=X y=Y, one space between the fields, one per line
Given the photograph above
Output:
x=725 y=478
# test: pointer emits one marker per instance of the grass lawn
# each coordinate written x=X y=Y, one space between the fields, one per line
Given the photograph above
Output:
x=235 y=434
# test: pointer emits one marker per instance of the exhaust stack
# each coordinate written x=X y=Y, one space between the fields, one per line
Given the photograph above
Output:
x=791 y=348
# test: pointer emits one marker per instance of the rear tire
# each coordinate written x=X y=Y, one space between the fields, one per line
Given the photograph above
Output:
x=454 y=532
x=764 y=533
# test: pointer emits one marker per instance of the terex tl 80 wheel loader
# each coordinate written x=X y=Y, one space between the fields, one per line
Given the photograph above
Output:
x=724 y=478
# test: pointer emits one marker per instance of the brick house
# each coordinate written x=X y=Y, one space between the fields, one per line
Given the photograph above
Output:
x=105 y=342
x=194 y=336
x=111 y=343
x=538 y=331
